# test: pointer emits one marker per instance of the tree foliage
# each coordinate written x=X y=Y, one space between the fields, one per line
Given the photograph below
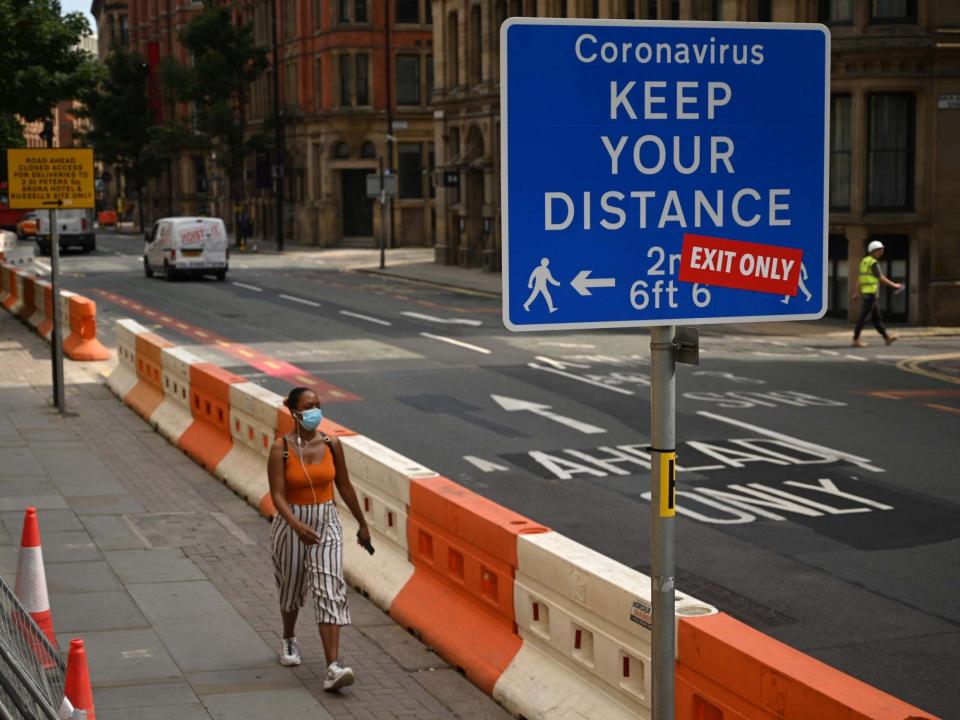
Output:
x=122 y=123
x=226 y=60
x=41 y=62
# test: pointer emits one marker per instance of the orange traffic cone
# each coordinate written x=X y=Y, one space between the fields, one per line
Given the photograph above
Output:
x=31 y=586
x=77 y=686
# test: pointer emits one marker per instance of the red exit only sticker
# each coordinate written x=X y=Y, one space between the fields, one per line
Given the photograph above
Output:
x=740 y=265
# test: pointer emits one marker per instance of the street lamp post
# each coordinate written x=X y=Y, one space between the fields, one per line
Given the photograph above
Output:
x=389 y=137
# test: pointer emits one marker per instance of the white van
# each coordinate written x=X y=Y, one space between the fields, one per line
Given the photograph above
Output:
x=74 y=229
x=186 y=245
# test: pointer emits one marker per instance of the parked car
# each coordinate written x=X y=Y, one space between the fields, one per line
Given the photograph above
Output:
x=178 y=246
x=74 y=229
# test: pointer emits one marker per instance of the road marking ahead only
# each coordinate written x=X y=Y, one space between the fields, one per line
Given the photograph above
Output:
x=458 y=343
x=515 y=404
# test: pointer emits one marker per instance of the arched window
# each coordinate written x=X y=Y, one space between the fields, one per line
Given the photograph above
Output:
x=368 y=150
x=341 y=150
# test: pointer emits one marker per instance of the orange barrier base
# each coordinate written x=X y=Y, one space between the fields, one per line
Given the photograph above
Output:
x=728 y=671
x=465 y=637
x=76 y=348
x=205 y=445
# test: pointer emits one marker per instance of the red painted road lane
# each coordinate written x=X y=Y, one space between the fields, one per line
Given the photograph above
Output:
x=274 y=367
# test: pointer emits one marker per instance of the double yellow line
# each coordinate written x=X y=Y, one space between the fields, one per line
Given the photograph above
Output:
x=914 y=365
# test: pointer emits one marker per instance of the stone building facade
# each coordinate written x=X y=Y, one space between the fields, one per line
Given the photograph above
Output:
x=895 y=131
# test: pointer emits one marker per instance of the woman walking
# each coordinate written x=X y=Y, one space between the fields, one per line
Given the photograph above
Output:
x=306 y=538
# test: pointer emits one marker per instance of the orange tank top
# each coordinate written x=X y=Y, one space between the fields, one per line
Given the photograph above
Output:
x=298 y=484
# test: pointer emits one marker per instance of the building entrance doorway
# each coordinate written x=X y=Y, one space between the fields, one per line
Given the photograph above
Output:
x=357 y=208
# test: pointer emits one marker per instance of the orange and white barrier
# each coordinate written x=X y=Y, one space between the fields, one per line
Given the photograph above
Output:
x=31 y=585
x=31 y=299
x=548 y=627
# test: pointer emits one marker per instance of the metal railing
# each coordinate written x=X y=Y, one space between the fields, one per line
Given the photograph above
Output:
x=32 y=670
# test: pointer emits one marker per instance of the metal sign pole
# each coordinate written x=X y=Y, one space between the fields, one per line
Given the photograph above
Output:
x=383 y=218
x=59 y=398
x=662 y=505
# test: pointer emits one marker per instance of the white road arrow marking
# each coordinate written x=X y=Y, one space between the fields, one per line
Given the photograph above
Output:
x=444 y=321
x=484 y=465
x=583 y=282
x=515 y=404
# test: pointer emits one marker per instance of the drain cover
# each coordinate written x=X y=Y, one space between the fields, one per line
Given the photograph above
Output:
x=186 y=529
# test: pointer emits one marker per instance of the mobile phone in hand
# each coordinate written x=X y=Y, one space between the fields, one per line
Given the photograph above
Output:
x=368 y=546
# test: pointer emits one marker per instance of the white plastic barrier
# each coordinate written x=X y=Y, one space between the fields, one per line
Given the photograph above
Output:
x=381 y=478
x=124 y=376
x=173 y=416
x=40 y=306
x=253 y=426
x=586 y=652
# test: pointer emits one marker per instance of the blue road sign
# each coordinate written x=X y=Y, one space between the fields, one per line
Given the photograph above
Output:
x=631 y=149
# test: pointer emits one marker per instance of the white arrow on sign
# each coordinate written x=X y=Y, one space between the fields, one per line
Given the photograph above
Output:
x=583 y=282
x=514 y=404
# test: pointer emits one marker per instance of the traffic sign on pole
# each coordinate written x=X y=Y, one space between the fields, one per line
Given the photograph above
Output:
x=663 y=173
x=50 y=178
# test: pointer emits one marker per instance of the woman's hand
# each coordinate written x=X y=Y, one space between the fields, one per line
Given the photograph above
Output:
x=307 y=535
x=363 y=536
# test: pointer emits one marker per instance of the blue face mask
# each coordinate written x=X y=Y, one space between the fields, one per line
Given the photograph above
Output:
x=310 y=419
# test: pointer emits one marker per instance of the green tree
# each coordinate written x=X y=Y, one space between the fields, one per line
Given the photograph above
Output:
x=40 y=63
x=226 y=60
x=122 y=122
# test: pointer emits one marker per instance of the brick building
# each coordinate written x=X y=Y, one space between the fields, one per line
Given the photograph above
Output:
x=895 y=131
x=334 y=97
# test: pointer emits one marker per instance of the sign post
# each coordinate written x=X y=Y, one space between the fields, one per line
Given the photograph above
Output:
x=656 y=174
x=52 y=179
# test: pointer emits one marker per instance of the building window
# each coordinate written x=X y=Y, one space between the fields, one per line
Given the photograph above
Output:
x=410 y=170
x=428 y=12
x=893 y=11
x=595 y=8
x=895 y=264
x=837 y=286
x=408 y=79
x=317 y=84
x=836 y=12
x=290 y=85
x=653 y=9
x=453 y=51
x=476 y=51
x=124 y=31
x=429 y=79
x=890 y=152
x=289 y=18
x=360 y=11
x=431 y=170
x=368 y=150
x=562 y=9
x=630 y=10
x=363 y=78
x=343 y=11
x=345 y=81
x=764 y=10
x=408 y=11
x=674 y=9
x=841 y=146
x=317 y=176
x=341 y=151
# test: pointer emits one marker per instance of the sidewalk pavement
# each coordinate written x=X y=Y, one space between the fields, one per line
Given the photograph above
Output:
x=166 y=574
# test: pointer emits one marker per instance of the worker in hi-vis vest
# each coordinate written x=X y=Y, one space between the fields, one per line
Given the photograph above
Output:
x=870 y=279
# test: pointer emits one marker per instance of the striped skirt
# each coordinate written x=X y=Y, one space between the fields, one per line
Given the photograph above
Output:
x=317 y=569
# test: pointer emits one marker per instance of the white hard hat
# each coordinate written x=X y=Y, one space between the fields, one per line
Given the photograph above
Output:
x=874 y=245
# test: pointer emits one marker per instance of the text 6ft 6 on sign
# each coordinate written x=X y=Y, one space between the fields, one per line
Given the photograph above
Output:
x=663 y=173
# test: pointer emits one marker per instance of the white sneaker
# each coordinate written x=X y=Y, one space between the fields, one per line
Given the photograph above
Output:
x=289 y=652
x=338 y=677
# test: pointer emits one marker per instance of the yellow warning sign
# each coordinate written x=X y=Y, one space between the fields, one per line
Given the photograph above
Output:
x=668 y=484
x=50 y=178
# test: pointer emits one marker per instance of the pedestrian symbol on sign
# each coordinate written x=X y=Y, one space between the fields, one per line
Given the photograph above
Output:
x=538 y=281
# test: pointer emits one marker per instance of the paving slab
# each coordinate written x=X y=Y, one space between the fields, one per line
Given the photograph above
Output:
x=111 y=532
x=186 y=602
x=49 y=521
x=447 y=685
x=159 y=565
x=136 y=696
x=209 y=646
x=122 y=657
x=81 y=577
x=194 y=711
x=40 y=502
x=62 y=547
x=220 y=682
x=409 y=652
x=85 y=612
x=117 y=504
x=257 y=705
